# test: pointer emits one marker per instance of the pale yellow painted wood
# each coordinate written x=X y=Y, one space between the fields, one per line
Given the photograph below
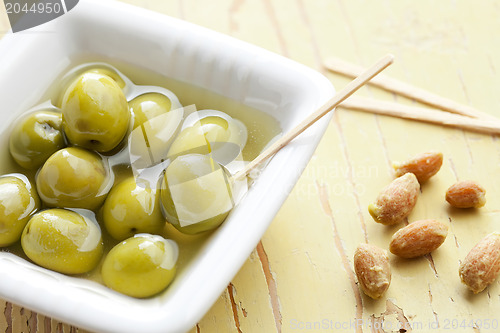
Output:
x=253 y=305
x=301 y=273
x=340 y=96
x=4 y=20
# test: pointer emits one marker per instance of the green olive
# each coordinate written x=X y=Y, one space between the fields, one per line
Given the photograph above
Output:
x=97 y=70
x=141 y=266
x=95 y=112
x=18 y=201
x=155 y=126
x=130 y=209
x=35 y=137
x=63 y=240
x=205 y=135
x=148 y=106
x=108 y=72
x=75 y=178
x=195 y=194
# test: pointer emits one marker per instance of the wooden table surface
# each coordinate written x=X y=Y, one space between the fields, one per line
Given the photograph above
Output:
x=300 y=277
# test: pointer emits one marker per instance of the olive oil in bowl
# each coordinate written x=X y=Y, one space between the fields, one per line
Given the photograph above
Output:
x=261 y=129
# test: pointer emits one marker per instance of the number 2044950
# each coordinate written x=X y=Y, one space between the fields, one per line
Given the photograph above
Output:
x=19 y=8
x=486 y=324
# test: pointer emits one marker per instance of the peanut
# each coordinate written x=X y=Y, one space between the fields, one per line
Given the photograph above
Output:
x=482 y=265
x=423 y=166
x=466 y=194
x=396 y=201
x=418 y=238
x=372 y=268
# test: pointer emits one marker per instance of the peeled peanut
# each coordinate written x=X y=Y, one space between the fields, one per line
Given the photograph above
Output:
x=373 y=270
x=423 y=166
x=482 y=265
x=396 y=201
x=466 y=194
x=418 y=238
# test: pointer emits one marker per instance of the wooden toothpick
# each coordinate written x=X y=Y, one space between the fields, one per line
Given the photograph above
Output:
x=422 y=114
x=323 y=110
x=404 y=89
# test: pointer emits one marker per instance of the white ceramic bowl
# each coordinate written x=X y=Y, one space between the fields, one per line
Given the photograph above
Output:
x=30 y=61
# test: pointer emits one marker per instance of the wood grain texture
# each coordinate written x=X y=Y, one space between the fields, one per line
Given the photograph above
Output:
x=301 y=276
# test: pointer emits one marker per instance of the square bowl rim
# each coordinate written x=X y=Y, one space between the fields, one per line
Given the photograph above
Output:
x=302 y=154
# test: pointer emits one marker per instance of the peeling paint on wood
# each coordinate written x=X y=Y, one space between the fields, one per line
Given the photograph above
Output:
x=301 y=275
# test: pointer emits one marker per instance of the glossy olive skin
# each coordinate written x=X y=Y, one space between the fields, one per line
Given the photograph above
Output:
x=35 y=137
x=63 y=240
x=96 y=70
x=201 y=186
x=204 y=134
x=18 y=201
x=130 y=209
x=141 y=266
x=148 y=106
x=108 y=72
x=95 y=112
x=75 y=178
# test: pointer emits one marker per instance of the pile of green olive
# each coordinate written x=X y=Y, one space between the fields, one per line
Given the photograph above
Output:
x=57 y=217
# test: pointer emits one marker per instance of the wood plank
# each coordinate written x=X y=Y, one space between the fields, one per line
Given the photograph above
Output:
x=301 y=273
